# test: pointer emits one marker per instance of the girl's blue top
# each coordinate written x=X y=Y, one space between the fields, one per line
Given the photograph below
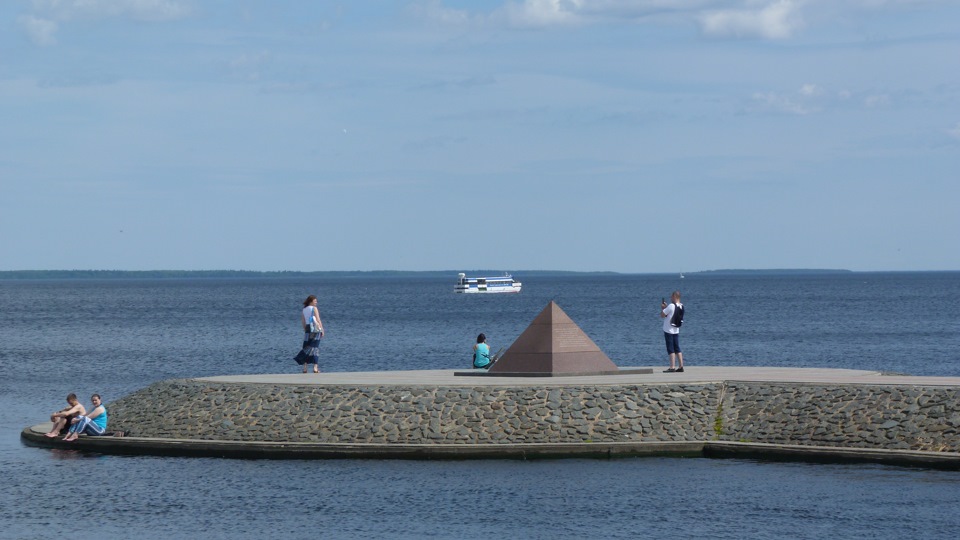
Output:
x=481 y=358
x=101 y=420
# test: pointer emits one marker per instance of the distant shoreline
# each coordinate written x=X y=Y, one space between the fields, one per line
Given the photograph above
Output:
x=183 y=274
x=776 y=271
x=361 y=274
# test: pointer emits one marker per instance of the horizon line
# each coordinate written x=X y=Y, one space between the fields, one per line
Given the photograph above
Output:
x=91 y=273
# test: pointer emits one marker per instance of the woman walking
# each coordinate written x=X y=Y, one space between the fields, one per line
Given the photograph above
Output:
x=312 y=332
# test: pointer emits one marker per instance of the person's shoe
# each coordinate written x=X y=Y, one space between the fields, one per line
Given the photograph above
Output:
x=680 y=369
x=671 y=370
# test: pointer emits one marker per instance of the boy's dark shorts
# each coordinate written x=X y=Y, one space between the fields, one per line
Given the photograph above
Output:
x=673 y=342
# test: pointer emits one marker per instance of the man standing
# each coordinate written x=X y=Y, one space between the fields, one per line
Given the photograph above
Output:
x=671 y=330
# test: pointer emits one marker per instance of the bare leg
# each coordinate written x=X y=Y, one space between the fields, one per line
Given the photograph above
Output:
x=673 y=360
x=680 y=358
x=58 y=424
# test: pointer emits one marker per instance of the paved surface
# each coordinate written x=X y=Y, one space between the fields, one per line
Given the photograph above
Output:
x=693 y=374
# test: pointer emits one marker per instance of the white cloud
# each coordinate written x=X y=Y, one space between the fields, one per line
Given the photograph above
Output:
x=811 y=98
x=560 y=13
x=43 y=24
x=774 y=20
x=769 y=19
x=544 y=12
x=763 y=19
x=954 y=131
x=40 y=31
x=434 y=10
x=141 y=10
x=876 y=100
x=879 y=4
x=248 y=66
x=808 y=99
x=772 y=101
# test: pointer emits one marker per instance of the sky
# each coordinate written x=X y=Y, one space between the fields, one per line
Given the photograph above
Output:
x=587 y=135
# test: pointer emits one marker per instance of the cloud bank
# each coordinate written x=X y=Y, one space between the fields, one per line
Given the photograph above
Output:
x=42 y=24
x=40 y=31
x=719 y=19
x=141 y=10
x=777 y=20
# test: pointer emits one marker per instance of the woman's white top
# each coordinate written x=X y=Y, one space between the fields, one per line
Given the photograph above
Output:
x=308 y=314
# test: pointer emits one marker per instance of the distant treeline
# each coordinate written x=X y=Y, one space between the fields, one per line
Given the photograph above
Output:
x=360 y=274
x=777 y=271
x=183 y=274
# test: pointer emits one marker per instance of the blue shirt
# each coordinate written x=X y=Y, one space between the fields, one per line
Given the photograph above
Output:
x=101 y=421
x=481 y=357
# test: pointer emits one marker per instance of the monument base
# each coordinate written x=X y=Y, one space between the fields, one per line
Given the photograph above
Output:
x=485 y=373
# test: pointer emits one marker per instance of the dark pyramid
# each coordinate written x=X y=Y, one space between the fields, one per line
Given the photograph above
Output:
x=553 y=345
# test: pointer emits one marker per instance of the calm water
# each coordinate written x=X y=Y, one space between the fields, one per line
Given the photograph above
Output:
x=114 y=337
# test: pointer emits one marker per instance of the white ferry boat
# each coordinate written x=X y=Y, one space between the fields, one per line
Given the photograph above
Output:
x=502 y=284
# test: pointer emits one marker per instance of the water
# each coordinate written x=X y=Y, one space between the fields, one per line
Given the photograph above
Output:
x=116 y=336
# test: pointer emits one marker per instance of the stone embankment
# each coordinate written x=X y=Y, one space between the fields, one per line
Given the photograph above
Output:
x=878 y=417
x=190 y=409
x=856 y=416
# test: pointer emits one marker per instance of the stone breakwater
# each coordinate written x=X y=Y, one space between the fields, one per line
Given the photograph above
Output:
x=188 y=409
x=841 y=415
x=855 y=416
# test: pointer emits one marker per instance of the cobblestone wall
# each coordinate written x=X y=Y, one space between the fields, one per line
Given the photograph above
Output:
x=203 y=410
x=887 y=417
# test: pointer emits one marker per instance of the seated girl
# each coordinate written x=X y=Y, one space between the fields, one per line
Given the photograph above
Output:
x=481 y=353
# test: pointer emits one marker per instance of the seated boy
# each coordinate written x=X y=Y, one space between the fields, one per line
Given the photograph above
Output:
x=63 y=417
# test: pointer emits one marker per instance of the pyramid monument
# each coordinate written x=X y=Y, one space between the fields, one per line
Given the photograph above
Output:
x=552 y=346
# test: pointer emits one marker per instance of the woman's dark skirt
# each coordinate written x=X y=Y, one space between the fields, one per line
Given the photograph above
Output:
x=310 y=354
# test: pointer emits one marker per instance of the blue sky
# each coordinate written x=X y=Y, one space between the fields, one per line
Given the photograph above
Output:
x=633 y=136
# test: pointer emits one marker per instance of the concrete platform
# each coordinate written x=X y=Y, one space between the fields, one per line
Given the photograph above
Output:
x=133 y=446
x=692 y=374
x=290 y=450
x=400 y=382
